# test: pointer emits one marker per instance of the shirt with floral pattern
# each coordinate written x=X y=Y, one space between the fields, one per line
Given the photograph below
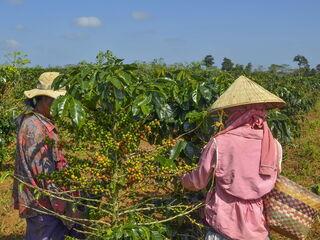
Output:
x=37 y=152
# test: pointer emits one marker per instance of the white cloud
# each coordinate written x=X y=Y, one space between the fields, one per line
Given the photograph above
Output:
x=140 y=15
x=88 y=22
x=12 y=44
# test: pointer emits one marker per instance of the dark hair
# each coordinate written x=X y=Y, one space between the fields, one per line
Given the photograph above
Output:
x=32 y=102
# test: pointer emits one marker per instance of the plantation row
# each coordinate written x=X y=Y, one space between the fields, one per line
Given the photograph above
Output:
x=131 y=130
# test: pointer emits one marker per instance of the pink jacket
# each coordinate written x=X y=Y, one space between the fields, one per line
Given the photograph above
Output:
x=235 y=208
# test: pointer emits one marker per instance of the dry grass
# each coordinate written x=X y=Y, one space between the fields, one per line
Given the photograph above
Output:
x=11 y=226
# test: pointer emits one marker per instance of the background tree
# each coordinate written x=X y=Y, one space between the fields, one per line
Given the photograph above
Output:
x=239 y=67
x=279 y=68
x=208 y=61
x=302 y=61
x=312 y=72
x=17 y=59
x=248 y=68
x=227 y=64
x=318 y=68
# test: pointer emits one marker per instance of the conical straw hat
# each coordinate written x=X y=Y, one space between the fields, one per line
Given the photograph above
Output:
x=246 y=92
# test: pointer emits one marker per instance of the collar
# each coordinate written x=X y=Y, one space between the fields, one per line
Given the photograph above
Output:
x=247 y=132
x=45 y=121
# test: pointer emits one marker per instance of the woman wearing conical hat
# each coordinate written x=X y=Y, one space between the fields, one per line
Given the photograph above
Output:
x=38 y=153
x=244 y=159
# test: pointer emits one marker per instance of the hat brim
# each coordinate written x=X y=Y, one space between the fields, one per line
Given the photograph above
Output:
x=267 y=105
x=49 y=93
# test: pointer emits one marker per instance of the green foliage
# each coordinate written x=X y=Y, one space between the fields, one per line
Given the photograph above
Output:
x=130 y=131
x=17 y=59
x=208 y=61
x=302 y=61
x=316 y=189
x=4 y=175
x=227 y=64
x=248 y=68
x=280 y=69
x=176 y=150
x=132 y=231
x=13 y=82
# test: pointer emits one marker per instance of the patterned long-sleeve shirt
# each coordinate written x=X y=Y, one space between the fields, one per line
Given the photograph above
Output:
x=37 y=152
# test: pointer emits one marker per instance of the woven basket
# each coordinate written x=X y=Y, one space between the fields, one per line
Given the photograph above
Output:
x=291 y=209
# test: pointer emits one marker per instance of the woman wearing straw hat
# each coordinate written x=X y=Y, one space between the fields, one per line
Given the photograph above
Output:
x=38 y=152
x=244 y=159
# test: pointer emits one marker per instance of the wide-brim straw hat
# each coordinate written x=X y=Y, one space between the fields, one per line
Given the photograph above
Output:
x=245 y=92
x=44 y=87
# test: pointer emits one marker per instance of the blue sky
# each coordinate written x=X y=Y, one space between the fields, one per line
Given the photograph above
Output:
x=67 y=31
